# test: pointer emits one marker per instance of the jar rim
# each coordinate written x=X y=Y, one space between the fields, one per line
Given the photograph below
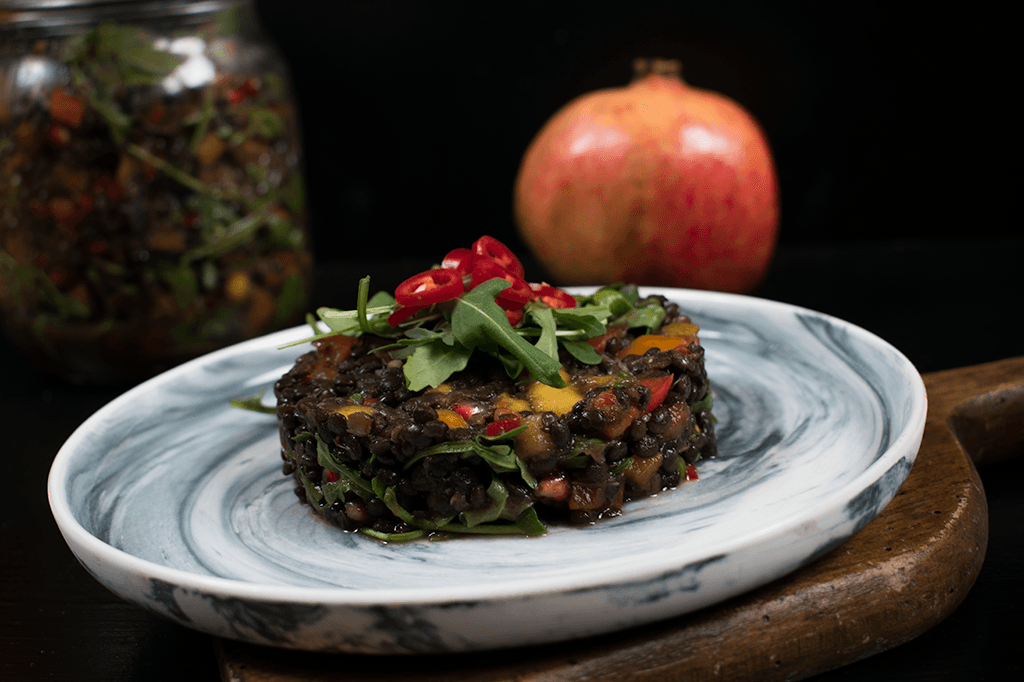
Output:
x=58 y=14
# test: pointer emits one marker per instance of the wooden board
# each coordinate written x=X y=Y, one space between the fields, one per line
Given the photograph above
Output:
x=903 y=573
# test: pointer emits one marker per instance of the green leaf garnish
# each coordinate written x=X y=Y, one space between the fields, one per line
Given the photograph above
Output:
x=622 y=466
x=478 y=321
x=350 y=480
x=582 y=351
x=545 y=319
x=253 y=404
x=407 y=536
x=702 y=404
x=432 y=363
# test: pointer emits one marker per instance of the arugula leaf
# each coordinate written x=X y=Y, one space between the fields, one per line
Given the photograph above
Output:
x=362 y=297
x=501 y=458
x=622 y=466
x=529 y=523
x=545 y=319
x=582 y=351
x=589 y=321
x=118 y=121
x=702 y=404
x=313 y=494
x=649 y=316
x=499 y=495
x=155 y=63
x=253 y=404
x=477 y=319
x=432 y=363
x=351 y=480
x=407 y=536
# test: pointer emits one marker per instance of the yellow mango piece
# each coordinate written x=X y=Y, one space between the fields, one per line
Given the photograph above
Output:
x=514 y=404
x=602 y=380
x=680 y=329
x=544 y=398
x=642 y=344
x=641 y=469
x=346 y=410
x=533 y=441
x=453 y=419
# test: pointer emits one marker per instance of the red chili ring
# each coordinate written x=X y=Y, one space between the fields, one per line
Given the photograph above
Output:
x=459 y=260
x=514 y=316
x=515 y=296
x=499 y=253
x=553 y=297
x=403 y=313
x=432 y=286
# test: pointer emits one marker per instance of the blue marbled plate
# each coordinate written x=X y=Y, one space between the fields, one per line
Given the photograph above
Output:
x=176 y=501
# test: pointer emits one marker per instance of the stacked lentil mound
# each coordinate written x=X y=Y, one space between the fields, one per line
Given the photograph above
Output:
x=482 y=452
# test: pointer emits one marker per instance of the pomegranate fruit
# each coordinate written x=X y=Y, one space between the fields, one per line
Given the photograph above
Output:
x=656 y=183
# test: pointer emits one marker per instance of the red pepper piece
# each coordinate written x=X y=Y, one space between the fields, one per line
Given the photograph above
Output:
x=659 y=389
x=691 y=472
x=514 y=316
x=465 y=410
x=433 y=286
x=66 y=108
x=331 y=476
x=512 y=298
x=554 y=488
x=551 y=296
x=459 y=260
x=499 y=253
x=403 y=313
x=58 y=135
x=504 y=425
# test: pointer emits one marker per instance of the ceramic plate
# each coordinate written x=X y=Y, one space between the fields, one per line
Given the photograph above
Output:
x=176 y=501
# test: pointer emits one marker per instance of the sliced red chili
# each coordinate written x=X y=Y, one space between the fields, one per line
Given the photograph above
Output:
x=459 y=260
x=465 y=410
x=691 y=473
x=427 y=288
x=403 y=313
x=499 y=253
x=514 y=316
x=503 y=425
x=553 y=297
x=512 y=298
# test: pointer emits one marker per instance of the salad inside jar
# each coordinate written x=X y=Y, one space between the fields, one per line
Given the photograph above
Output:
x=152 y=202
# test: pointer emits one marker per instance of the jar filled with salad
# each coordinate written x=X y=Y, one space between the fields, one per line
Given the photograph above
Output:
x=152 y=202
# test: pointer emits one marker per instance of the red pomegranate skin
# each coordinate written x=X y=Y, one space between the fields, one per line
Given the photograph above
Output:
x=656 y=183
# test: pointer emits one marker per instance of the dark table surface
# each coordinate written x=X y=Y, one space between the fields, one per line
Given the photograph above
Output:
x=945 y=304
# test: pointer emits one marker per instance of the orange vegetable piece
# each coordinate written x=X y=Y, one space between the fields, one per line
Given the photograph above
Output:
x=66 y=108
x=642 y=344
x=453 y=419
x=680 y=329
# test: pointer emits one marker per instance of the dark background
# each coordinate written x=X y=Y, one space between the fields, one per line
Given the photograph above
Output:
x=885 y=123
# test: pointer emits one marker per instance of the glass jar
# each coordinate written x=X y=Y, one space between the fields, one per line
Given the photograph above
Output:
x=151 y=196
